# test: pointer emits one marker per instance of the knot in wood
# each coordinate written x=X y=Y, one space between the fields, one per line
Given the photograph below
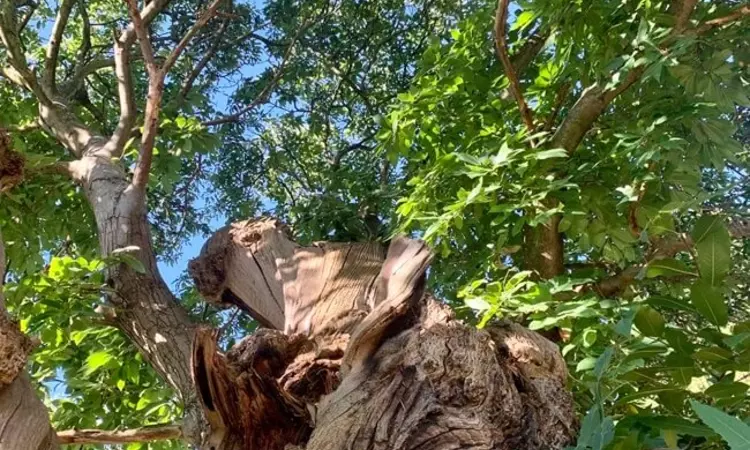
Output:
x=11 y=164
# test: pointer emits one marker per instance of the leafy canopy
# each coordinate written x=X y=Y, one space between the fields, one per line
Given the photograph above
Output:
x=387 y=116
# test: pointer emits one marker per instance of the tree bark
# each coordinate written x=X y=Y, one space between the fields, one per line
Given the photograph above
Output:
x=366 y=359
x=144 y=434
x=145 y=309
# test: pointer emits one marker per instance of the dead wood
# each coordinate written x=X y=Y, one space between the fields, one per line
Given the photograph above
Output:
x=366 y=358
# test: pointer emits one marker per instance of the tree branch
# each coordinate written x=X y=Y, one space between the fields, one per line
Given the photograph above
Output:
x=200 y=23
x=85 y=48
x=595 y=99
x=662 y=248
x=562 y=94
x=26 y=18
x=736 y=15
x=501 y=17
x=156 y=76
x=145 y=434
x=681 y=10
x=141 y=32
x=187 y=85
x=53 y=47
x=528 y=51
x=267 y=89
x=18 y=72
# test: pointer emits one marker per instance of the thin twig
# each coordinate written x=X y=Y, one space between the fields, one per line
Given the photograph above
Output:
x=26 y=18
x=188 y=84
x=267 y=89
x=562 y=94
x=200 y=23
x=501 y=48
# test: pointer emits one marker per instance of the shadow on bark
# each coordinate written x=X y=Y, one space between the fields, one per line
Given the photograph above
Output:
x=357 y=356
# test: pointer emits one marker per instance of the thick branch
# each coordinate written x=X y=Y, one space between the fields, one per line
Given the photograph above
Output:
x=156 y=86
x=126 y=122
x=19 y=72
x=24 y=418
x=530 y=49
x=53 y=47
x=595 y=99
x=592 y=103
x=501 y=48
x=145 y=434
x=141 y=31
x=85 y=48
x=681 y=10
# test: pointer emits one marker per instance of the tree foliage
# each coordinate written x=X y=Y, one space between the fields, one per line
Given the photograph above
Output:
x=584 y=173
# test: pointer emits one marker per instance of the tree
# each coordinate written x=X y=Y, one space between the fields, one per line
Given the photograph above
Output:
x=582 y=153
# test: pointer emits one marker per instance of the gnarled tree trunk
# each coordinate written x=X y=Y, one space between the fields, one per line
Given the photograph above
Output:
x=358 y=356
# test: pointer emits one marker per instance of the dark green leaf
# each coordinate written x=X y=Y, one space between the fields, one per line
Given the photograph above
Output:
x=709 y=302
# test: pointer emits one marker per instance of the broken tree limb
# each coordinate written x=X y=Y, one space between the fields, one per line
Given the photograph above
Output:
x=242 y=264
x=366 y=359
x=247 y=409
x=113 y=437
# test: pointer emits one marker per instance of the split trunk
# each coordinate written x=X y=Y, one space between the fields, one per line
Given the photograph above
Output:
x=356 y=355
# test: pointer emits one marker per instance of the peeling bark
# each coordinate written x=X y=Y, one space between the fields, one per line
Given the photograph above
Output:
x=367 y=360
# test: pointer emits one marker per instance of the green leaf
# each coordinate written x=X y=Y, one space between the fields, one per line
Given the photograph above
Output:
x=589 y=337
x=705 y=226
x=709 y=302
x=548 y=154
x=727 y=389
x=679 y=424
x=477 y=304
x=625 y=324
x=671 y=303
x=97 y=360
x=602 y=362
x=714 y=354
x=132 y=262
x=733 y=430
x=649 y=321
x=713 y=250
x=668 y=268
x=585 y=364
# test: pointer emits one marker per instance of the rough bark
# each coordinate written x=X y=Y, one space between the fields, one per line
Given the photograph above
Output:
x=145 y=308
x=144 y=434
x=366 y=359
x=24 y=422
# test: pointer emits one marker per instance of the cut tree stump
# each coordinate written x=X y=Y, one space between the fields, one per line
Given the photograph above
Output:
x=355 y=355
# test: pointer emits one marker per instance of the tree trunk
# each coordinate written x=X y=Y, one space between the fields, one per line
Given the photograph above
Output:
x=365 y=359
x=145 y=309
x=24 y=422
